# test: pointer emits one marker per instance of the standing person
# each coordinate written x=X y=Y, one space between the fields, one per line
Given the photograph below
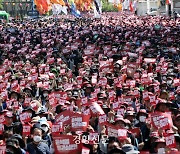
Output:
x=135 y=6
x=37 y=146
x=126 y=5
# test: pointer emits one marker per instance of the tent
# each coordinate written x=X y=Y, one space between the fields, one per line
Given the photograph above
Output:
x=4 y=15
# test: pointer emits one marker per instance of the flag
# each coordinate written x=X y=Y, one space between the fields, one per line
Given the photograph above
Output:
x=75 y=12
x=168 y=2
x=131 y=7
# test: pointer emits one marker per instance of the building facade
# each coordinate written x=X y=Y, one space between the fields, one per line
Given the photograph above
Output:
x=17 y=8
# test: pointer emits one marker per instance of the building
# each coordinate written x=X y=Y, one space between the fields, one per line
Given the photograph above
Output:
x=17 y=8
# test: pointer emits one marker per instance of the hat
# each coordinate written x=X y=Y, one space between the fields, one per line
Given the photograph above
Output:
x=20 y=139
x=75 y=94
x=162 y=101
x=160 y=140
x=9 y=114
x=130 y=113
x=36 y=125
x=116 y=150
x=10 y=143
x=68 y=89
x=178 y=116
x=14 y=92
x=125 y=104
x=154 y=134
x=44 y=123
x=104 y=106
x=27 y=88
x=35 y=119
x=42 y=111
x=142 y=111
x=29 y=108
x=129 y=149
x=88 y=85
x=120 y=119
x=130 y=109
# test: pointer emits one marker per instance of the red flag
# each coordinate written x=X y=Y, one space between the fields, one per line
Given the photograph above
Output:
x=168 y=2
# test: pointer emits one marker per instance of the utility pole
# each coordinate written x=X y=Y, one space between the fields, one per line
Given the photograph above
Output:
x=172 y=8
x=148 y=6
x=167 y=9
x=158 y=7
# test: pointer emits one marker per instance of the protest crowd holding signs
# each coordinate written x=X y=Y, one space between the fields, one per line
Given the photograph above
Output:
x=109 y=86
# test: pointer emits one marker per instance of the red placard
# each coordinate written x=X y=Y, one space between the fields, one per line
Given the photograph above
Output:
x=34 y=106
x=79 y=122
x=14 y=84
x=102 y=81
x=79 y=80
x=1 y=128
x=64 y=117
x=2 y=149
x=156 y=89
x=86 y=112
x=94 y=79
x=102 y=119
x=62 y=71
x=26 y=129
x=135 y=132
x=161 y=120
x=111 y=95
x=152 y=99
x=116 y=132
x=63 y=95
x=171 y=95
x=57 y=128
x=150 y=60
x=25 y=117
x=85 y=150
x=53 y=102
x=65 y=144
x=121 y=111
x=88 y=52
x=115 y=105
x=46 y=85
x=2 y=119
x=50 y=60
x=93 y=138
x=16 y=105
x=4 y=94
x=27 y=101
x=136 y=93
x=176 y=82
x=96 y=109
x=84 y=101
x=170 y=140
x=145 y=95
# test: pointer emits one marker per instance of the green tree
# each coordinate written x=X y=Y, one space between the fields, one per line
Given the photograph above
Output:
x=108 y=7
x=1 y=6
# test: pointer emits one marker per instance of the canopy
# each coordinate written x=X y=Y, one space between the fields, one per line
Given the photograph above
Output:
x=5 y=14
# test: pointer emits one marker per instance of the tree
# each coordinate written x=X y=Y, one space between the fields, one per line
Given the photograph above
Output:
x=1 y=6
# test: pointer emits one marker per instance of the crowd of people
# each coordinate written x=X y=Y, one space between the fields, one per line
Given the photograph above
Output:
x=90 y=86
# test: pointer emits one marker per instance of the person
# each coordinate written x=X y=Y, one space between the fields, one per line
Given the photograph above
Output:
x=65 y=78
x=37 y=146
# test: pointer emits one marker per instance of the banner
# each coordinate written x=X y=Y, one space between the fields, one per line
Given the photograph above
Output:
x=65 y=144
